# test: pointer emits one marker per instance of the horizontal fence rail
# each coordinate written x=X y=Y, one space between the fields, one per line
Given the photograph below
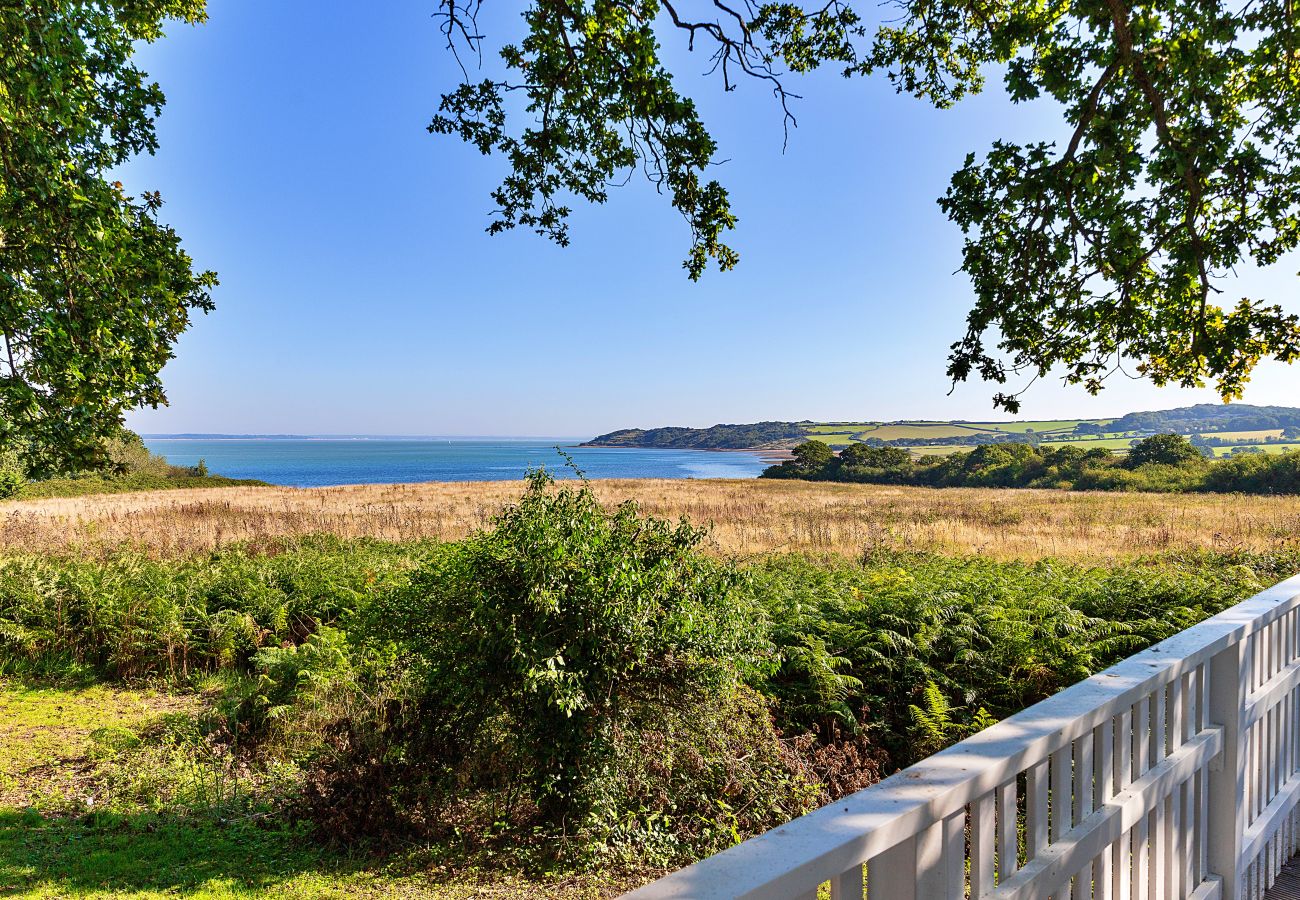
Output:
x=1173 y=775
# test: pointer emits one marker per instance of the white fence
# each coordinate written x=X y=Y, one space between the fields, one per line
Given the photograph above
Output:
x=1174 y=774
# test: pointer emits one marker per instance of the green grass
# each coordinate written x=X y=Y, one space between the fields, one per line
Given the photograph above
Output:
x=842 y=427
x=1054 y=431
x=1244 y=435
x=145 y=857
x=1267 y=448
x=839 y=434
x=1044 y=426
x=910 y=430
x=55 y=844
x=44 y=730
x=87 y=485
x=1090 y=443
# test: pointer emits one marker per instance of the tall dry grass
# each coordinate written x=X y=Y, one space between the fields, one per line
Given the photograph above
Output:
x=748 y=517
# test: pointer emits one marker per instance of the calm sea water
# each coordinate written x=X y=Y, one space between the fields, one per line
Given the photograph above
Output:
x=324 y=461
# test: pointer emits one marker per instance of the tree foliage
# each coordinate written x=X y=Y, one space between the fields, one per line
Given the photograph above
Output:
x=94 y=289
x=1161 y=462
x=1163 y=449
x=1115 y=244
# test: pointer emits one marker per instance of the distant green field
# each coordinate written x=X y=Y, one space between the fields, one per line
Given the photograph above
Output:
x=1249 y=423
x=1267 y=448
x=1047 y=426
x=1115 y=444
x=1054 y=433
x=1112 y=443
x=842 y=434
x=846 y=432
x=839 y=434
x=1244 y=435
x=908 y=430
x=941 y=450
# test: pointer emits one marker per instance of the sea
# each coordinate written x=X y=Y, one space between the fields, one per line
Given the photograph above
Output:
x=318 y=462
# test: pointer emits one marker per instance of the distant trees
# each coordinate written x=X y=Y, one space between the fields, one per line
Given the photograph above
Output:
x=815 y=461
x=1163 y=449
x=716 y=437
x=1207 y=418
x=810 y=461
x=1166 y=462
x=863 y=457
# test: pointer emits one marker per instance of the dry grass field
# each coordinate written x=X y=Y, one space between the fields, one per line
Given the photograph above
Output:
x=748 y=517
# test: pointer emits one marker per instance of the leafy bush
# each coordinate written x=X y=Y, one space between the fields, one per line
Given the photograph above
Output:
x=1164 y=463
x=533 y=642
x=937 y=727
x=130 y=467
x=811 y=460
x=1256 y=473
x=692 y=779
x=12 y=474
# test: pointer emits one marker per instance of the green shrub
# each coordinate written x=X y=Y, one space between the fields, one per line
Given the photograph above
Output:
x=12 y=474
x=1256 y=473
x=694 y=779
x=1161 y=463
x=129 y=467
x=533 y=639
x=811 y=459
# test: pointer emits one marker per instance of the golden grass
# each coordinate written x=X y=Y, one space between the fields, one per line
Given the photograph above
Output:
x=748 y=517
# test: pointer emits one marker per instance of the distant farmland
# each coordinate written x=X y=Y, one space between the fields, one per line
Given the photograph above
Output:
x=1221 y=430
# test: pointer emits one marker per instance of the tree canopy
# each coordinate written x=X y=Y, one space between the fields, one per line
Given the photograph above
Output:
x=94 y=289
x=1116 y=245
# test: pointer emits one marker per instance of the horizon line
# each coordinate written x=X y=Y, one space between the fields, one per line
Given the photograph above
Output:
x=218 y=435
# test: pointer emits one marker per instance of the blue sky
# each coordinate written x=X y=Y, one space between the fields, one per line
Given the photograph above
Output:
x=360 y=293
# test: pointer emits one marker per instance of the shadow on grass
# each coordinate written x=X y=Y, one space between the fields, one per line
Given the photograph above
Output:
x=152 y=853
x=154 y=856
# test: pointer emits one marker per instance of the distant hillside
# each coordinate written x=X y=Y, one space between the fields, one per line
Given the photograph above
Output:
x=720 y=437
x=1224 y=429
x=1211 y=417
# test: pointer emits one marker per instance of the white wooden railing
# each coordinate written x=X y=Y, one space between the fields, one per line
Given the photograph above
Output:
x=1174 y=774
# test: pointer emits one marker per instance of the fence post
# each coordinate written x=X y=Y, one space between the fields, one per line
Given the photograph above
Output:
x=1229 y=686
x=892 y=874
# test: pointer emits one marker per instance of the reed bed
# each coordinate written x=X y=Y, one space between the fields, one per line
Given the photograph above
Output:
x=748 y=517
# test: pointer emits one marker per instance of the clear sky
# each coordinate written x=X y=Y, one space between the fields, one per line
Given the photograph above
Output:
x=360 y=293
